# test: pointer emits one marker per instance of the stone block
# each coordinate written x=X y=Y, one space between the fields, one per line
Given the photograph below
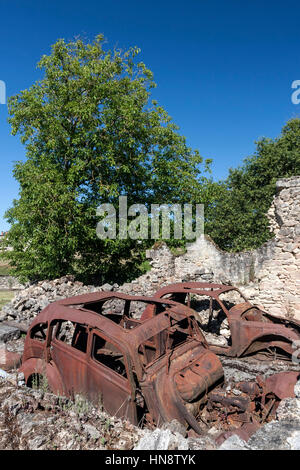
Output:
x=8 y=332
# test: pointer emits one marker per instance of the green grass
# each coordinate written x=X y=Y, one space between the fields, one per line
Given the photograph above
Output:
x=177 y=250
x=4 y=270
x=145 y=266
x=5 y=297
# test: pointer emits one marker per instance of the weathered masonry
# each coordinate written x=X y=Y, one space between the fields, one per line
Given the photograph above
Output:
x=269 y=275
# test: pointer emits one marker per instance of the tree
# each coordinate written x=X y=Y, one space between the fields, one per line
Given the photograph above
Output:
x=236 y=215
x=92 y=134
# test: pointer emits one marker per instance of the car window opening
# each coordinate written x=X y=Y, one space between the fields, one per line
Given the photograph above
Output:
x=39 y=332
x=210 y=316
x=125 y=313
x=168 y=339
x=73 y=334
x=109 y=355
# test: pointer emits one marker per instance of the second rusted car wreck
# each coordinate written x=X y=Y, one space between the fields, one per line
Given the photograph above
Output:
x=252 y=331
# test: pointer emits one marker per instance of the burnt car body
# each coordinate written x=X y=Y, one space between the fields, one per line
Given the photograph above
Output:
x=158 y=369
x=252 y=330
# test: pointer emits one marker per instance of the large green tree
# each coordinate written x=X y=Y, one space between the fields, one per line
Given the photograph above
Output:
x=236 y=215
x=91 y=133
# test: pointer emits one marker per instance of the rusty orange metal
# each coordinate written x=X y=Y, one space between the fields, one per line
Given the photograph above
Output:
x=255 y=404
x=253 y=331
x=157 y=370
x=159 y=367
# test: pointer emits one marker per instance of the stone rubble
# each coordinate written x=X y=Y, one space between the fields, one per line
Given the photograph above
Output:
x=32 y=300
x=37 y=420
x=10 y=283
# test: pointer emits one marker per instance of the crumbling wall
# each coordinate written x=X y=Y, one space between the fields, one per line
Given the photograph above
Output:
x=268 y=276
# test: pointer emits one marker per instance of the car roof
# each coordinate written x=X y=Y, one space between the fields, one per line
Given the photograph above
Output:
x=104 y=295
x=204 y=288
x=71 y=309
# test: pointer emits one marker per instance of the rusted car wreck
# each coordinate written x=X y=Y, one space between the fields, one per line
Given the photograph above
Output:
x=147 y=359
x=155 y=369
x=251 y=330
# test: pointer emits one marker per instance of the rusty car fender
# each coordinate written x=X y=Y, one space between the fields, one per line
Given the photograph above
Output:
x=269 y=335
x=39 y=366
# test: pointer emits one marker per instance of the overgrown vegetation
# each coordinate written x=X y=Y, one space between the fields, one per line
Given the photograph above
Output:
x=236 y=216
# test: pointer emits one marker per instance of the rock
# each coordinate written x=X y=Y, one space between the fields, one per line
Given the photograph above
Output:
x=297 y=389
x=289 y=409
x=8 y=332
x=294 y=440
x=162 y=440
x=175 y=426
x=46 y=286
x=234 y=442
x=3 y=374
x=91 y=431
x=283 y=435
x=36 y=442
x=225 y=332
x=107 y=287
x=26 y=423
x=201 y=443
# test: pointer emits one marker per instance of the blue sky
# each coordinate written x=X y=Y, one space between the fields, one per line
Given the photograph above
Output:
x=224 y=69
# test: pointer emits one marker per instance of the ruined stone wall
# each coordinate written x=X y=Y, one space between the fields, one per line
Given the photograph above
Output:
x=269 y=276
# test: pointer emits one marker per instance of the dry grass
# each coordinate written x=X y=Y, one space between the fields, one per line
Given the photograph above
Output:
x=5 y=297
x=4 y=269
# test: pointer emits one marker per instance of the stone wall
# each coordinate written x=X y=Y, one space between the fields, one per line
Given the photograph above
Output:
x=268 y=276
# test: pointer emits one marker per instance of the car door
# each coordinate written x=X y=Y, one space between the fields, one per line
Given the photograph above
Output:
x=69 y=353
x=107 y=375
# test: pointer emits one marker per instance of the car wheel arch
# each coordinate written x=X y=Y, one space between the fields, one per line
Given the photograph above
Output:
x=263 y=341
x=39 y=366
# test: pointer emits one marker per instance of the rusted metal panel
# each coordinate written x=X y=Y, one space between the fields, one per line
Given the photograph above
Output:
x=253 y=330
x=159 y=367
x=130 y=366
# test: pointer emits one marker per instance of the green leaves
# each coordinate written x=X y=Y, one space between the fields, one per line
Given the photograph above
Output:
x=91 y=134
x=236 y=216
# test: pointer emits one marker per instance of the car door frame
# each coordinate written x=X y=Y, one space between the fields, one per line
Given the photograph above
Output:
x=74 y=378
x=125 y=385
